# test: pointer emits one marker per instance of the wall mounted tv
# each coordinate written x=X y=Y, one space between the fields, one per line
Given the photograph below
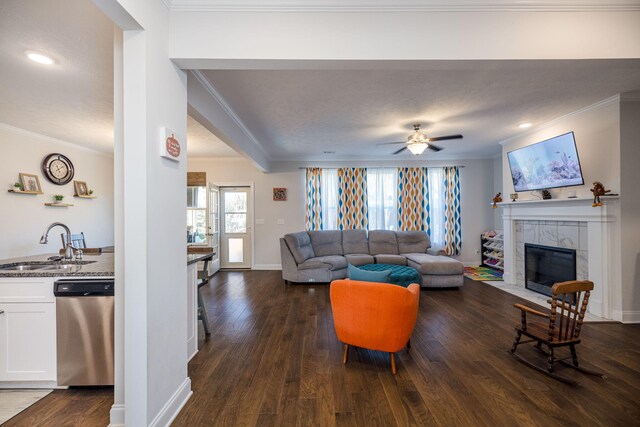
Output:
x=547 y=164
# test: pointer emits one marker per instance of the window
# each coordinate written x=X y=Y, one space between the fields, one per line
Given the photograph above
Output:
x=437 y=200
x=196 y=215
x=382 y=200
x=329 y=191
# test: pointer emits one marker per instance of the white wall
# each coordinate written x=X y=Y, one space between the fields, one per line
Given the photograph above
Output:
x=284 y=36
x=476 y=183
x=630 y=207
x=497 y=188
x=597 y=134
x=266 y=249
x=24 y=217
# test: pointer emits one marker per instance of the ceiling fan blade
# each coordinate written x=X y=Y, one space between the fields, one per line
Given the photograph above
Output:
x=400 y=150
x=444 y=138
x=390 y=143
x=434 y=147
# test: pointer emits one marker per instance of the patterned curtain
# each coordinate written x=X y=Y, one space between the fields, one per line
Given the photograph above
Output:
x=314 y=199
x=413 y=199
x=453 y=226
x=352 y=203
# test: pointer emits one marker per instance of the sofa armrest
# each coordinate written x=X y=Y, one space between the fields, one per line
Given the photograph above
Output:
x=436 y=252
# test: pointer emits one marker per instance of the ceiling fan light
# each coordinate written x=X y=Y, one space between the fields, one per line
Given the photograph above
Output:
x=417 y=148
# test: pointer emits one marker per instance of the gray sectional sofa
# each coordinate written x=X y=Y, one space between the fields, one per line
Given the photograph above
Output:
x=322 y=256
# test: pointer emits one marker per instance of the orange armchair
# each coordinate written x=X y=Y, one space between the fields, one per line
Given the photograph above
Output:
x=376 y=316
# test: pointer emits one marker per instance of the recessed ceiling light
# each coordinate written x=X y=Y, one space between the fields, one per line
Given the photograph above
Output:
x=524 y=125
x=38 y=57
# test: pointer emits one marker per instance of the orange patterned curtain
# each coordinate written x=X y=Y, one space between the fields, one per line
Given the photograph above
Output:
x=413 y=199
x=314 y=199
x=352 y=199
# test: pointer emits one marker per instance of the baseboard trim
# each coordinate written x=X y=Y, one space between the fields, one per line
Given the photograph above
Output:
x=174 y=405
x=116 y=415
x=630 y=316
x=267 y=267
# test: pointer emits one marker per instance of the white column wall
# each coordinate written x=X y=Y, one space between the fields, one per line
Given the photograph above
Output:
x=154 y=265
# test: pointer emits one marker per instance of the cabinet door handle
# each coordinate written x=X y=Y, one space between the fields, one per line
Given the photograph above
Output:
x=1 y=311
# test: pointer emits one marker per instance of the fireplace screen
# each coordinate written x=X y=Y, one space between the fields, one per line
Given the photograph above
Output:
x=545 y=265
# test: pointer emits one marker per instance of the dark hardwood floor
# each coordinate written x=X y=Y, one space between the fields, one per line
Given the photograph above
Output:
x=273 y=360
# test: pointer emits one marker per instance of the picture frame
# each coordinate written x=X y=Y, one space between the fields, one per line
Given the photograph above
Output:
x=81 y=188
x=279 y=194
x=30 y=183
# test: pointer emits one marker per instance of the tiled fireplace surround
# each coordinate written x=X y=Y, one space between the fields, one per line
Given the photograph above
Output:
x=573 y=224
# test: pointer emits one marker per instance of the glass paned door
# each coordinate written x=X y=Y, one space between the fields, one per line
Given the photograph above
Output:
x=214 y=225
x=235 y=242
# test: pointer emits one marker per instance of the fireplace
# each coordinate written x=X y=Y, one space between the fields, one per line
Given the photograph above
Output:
x=546 y=265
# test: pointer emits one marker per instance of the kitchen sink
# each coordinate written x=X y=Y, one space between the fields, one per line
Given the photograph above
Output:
x=44 y=266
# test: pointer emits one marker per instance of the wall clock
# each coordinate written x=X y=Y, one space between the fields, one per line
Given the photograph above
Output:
x=57 y=168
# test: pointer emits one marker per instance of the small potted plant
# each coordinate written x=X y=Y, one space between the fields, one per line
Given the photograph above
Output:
x=17 y=186
x=58 y=198
x=91 y=192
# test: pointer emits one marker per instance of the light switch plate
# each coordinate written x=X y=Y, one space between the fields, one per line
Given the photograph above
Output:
x=280 y=221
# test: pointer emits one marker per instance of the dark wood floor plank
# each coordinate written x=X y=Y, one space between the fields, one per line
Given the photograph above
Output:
x=273 y=360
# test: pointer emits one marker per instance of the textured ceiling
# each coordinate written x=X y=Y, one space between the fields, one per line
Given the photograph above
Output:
x=71 y=100
x=297 y=115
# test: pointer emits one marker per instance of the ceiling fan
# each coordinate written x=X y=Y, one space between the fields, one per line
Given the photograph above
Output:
x=417 y=142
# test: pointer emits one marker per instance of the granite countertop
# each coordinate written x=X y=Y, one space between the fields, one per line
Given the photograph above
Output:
x=90 y=265
x=191 y=258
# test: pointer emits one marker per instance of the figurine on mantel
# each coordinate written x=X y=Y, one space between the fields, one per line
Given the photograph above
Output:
x=598 y=190
x=496 y=200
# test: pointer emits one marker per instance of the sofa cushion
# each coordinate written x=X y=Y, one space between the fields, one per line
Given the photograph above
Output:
x=326 y=242
x=391 y=259
x=412 y=241
x=354 y=242
x=332 y=262
x=383 y=242
x=300 y=246
x=369 y=276
x=434 y=265
x=360 y=259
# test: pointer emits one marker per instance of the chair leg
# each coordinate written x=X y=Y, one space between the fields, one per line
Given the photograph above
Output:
x=393 y=363
x=408 y=345
x=574 y=355
x=550 y=359
x=345 y=353
x=516 y=341
x=202 y=314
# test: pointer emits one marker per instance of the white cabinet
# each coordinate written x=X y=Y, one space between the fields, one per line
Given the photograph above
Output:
x=27 y=330
x=27 y=342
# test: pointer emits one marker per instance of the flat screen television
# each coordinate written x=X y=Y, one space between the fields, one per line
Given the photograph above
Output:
x=547 y=164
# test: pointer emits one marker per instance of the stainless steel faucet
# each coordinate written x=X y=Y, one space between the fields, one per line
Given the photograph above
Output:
x=69 y=249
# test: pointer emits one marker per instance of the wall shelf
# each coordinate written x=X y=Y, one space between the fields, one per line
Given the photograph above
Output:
x=24 y=192
x=58 y=205
x=85 y=197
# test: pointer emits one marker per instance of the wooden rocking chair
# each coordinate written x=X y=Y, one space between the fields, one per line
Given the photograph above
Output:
x=568 y=307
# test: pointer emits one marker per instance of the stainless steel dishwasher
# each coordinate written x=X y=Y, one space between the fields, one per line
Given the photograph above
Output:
x=84 y=323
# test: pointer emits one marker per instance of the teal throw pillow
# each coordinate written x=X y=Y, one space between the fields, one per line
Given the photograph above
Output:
x=356 y=273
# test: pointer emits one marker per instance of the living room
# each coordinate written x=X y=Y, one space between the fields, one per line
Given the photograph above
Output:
x=257 y=94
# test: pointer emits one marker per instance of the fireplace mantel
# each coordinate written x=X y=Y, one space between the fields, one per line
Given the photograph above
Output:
x=604 y=262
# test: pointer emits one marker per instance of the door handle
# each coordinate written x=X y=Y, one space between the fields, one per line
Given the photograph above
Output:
x=1 y=311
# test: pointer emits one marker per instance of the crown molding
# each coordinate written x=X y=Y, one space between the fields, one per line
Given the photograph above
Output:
x=337 y=6
x=50 y=139
x=227 y=109
x=612 y=100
